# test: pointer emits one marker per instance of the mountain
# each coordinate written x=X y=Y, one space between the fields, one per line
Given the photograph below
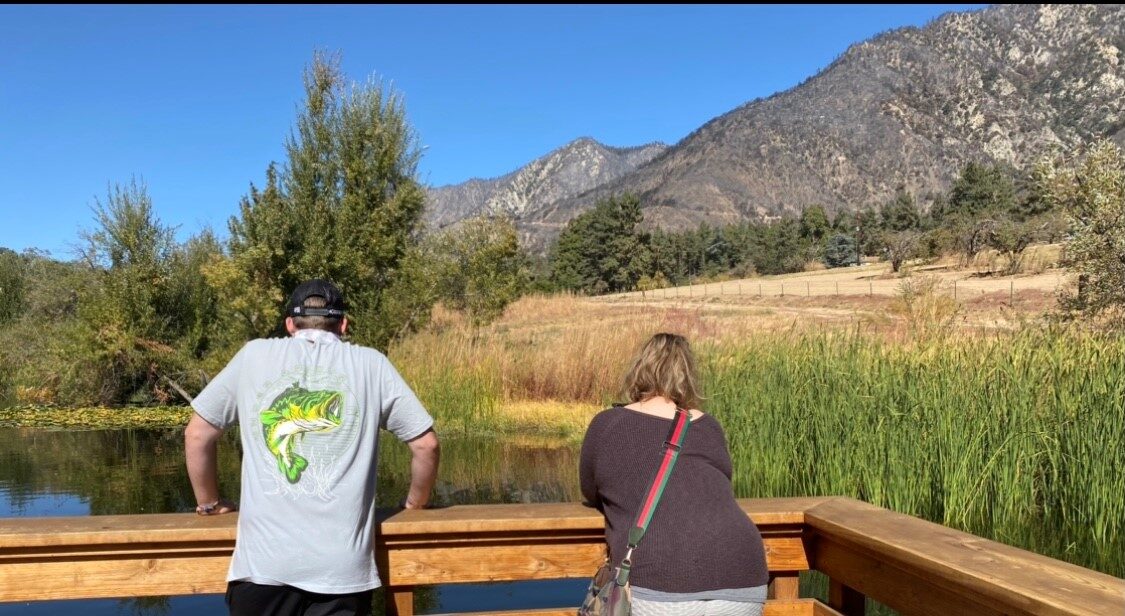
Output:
x=575 y=168
x=907 y=108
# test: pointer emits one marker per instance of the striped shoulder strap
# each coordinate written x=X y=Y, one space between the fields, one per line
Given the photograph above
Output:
x=672 y=445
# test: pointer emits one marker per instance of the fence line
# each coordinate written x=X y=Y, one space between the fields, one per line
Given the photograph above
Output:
x=960 y=290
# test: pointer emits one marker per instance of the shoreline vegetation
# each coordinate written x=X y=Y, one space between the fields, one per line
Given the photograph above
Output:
x=542 y=421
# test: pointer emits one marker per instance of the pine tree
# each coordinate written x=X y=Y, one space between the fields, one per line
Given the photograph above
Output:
x=981 y=190
x=346 y=206
x=603 y=250
x=840 y=251
x=901 y=214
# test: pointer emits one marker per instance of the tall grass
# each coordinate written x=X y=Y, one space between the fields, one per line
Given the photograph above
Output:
x=1019 y=438
x=533 y=355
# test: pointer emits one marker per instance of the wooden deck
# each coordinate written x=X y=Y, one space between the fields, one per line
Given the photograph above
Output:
x=913 y=566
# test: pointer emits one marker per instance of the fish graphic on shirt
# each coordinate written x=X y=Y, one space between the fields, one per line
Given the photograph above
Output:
x=291 y=415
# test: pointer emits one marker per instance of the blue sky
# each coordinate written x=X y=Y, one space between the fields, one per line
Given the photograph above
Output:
x=197 y=100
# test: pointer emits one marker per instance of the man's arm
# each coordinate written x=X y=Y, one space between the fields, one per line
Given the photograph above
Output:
x=200 y=448
x=425 y=452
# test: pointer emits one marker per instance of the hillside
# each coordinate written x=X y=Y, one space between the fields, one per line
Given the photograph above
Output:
x=907 y=108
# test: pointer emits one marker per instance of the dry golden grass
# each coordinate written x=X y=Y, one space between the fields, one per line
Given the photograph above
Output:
x=1041 y=257
x=551 y=361
x=538 y=416
x=1036 y=259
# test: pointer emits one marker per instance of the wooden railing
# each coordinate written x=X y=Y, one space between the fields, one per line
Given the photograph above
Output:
x=913 y=566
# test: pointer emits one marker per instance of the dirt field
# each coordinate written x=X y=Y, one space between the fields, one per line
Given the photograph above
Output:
x=866 y=280
x=869 y=294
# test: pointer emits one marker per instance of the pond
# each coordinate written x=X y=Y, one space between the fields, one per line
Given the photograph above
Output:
x=106 y=472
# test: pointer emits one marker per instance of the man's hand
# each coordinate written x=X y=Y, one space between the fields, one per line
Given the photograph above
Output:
x=425 y=454
x=406 y=503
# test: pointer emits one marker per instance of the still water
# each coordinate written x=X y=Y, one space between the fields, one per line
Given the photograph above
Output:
x=106 y=472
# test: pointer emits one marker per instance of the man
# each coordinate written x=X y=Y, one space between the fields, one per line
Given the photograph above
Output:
x=310 y=408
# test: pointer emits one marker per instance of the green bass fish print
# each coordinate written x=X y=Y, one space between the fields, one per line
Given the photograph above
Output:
x=292 y=414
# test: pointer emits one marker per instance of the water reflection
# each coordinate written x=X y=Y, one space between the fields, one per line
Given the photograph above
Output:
x=104 y=472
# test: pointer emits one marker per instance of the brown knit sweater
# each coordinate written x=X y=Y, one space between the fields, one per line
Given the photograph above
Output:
x=699 y=538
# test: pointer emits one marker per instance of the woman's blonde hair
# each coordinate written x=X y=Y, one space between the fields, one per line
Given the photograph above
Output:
x=665 y=367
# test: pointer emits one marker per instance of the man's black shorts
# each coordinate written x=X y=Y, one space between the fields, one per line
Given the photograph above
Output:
x=250 y=599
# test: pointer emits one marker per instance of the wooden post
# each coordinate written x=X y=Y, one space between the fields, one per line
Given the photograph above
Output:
x=784 y=586
x=400 y=601
x=1011 y=293
x=837 y=288
x=759 y=290
x=783 y=289
x=849 y=601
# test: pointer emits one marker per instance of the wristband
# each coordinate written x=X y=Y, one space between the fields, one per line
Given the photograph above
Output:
x=209 y=508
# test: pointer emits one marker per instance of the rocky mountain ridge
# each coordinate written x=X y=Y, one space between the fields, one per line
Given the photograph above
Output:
x=905 y=109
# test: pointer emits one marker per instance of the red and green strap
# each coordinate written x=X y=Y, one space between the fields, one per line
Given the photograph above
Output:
x=672 y=446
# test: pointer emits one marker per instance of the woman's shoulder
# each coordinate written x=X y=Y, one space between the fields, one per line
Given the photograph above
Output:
x=608 y=418
x=707 y=421
x=607 y=415
x=602 y=423
x=708 y=428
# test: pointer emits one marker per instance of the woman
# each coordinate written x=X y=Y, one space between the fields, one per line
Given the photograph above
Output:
x=701 y=554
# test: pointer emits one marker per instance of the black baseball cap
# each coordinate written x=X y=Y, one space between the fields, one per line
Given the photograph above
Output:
x=334 y=306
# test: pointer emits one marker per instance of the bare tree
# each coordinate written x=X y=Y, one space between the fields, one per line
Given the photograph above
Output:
x=900 y=246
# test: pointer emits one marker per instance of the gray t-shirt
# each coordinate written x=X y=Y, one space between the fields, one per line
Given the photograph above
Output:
x=310 y=408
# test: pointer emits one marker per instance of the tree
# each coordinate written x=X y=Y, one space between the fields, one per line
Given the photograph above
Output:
x=901 y=214
x=814 y=224
x=669 y=255
x=1039 y=199
x=40 y=345
x=778 y=248
x=900 y=246
x=1011 y=238
x=841 y=251
x=603 y=250
x=133 y=318
x=482 y=268
x=869 y=231
x=11 y=286
x=346 y=206
x=1093 y=195
x=844 y=222
x=971 y=235
x=656 y=281
x=981 y=190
